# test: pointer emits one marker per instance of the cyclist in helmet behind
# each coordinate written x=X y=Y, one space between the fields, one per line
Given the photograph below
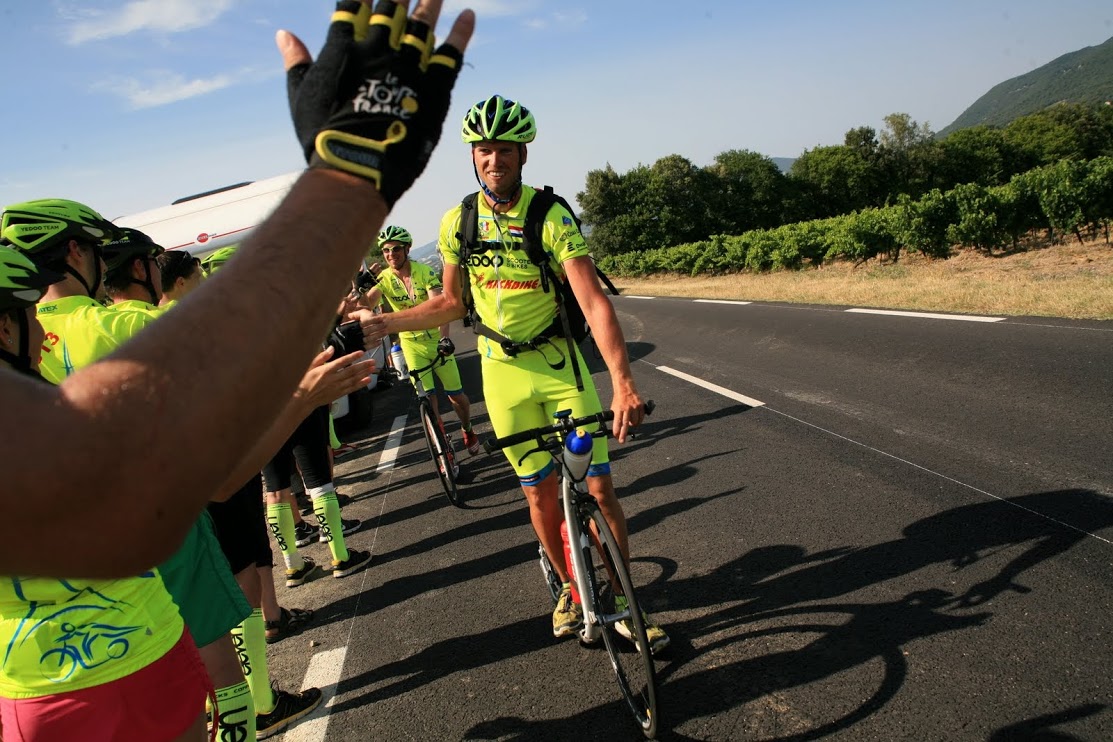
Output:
x=536 y=378
x=130 y=667
x=405 y=284
x=67 y=237
x=181 y=274
x=134 y=276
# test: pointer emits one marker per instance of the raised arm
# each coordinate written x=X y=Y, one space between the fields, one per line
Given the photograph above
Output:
x=62 y=448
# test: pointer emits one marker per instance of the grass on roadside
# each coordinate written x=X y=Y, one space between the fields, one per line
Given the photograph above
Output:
x=1073 y=280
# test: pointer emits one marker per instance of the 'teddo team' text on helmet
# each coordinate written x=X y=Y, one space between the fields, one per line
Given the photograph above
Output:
x=22 y=283
x=44 y=227
x=127 y=244
x=392 y=233
x=119 y=252
x=499 y=119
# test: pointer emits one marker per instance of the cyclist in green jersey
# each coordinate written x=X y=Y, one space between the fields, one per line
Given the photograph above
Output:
x=181 y=274
x=75 y=643
x=338 y=203
x=133 y=279
x=524 y=387
x=404 y=284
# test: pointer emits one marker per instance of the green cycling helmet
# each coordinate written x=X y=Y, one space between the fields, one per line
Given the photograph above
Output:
x=22 y=283
x=43 y=228
x=499 y=119
x=392 y=233
x=127 y=244
x=119 y=252
x=215 y=260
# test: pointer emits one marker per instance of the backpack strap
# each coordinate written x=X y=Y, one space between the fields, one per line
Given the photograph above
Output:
x=468 y=237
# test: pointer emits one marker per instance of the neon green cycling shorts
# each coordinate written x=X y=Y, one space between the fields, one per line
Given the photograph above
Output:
x=525 y=391
x=420 y=353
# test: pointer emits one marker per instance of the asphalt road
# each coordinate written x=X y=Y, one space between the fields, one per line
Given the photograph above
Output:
x=878 y=527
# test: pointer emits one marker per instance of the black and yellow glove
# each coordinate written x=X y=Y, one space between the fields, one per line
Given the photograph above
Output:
x=374 y=102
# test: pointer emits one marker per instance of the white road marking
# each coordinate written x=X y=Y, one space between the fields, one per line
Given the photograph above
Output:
x=720 y=301
x=326 y=668
x=635 y=296
x=712 y=387
x=929 y=315
x=393 y=443
x=754 y=403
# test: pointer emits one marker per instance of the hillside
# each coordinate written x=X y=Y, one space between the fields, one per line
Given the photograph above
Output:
x=1083 y=76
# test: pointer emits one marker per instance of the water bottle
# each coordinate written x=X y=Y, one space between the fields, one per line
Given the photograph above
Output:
x=568 y=561
x=399 y=360
x=577 y=454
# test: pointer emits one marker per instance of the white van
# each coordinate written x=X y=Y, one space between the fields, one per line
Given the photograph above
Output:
x=206 y=222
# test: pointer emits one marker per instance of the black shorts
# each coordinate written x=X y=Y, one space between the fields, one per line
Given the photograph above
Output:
x=309 y=446
x=241 y=527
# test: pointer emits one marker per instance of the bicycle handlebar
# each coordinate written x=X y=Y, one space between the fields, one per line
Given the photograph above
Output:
x=562 y=425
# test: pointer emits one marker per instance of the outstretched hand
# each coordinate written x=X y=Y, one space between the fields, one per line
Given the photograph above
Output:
x=374 y=102
x=327 y=380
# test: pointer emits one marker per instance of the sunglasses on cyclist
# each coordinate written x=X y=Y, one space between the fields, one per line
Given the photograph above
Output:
x=396 y=248
x=178 y=264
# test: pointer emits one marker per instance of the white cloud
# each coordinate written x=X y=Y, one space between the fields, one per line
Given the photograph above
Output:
x=160 y=88
x=488 y=8
x=559 y=20
x=164 y=16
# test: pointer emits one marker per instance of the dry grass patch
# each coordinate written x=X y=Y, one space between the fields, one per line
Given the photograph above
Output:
x=1060 y=281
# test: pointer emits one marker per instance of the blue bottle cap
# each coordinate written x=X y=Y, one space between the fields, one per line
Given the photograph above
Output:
x=580 y=443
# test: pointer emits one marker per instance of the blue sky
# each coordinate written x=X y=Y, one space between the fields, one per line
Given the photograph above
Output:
x=129 y=104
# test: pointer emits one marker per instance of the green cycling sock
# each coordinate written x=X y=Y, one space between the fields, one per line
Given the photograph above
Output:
x=235 y=717
x=327 y=510
x=333 y=440
x=280 y=518
x=250 y=638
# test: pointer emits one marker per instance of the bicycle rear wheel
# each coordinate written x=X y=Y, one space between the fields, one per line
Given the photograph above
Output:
x=633 y=666
x=440 y=450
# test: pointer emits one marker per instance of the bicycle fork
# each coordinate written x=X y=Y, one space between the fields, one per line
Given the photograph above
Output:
x=579 y=549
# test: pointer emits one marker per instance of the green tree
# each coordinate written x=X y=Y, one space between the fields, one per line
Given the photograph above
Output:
x=909 y=154
x=751 y=193
x=832 y=180
x=980 y=155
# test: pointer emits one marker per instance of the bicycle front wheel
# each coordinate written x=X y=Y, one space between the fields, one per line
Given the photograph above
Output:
x=633 y=666
x=440 y=450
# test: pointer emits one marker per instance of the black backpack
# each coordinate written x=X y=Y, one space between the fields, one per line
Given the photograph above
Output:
x=570 y=321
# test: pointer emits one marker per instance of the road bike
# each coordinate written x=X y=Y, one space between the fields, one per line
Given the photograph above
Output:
x=598 y=569
x=439 y=444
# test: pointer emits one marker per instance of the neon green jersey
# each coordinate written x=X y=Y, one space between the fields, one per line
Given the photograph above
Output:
x=423 y=281
x=135 y=305
x=505 y=285
x=65 y=635
x=80 y=331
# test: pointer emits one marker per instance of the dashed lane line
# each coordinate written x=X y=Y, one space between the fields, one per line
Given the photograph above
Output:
x=754 y=403
x=326 y=668
x=929 y=315
x=721 y=301
x=712 y=387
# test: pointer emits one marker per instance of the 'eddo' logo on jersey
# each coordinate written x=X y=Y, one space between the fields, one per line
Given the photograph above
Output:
x=485 y=261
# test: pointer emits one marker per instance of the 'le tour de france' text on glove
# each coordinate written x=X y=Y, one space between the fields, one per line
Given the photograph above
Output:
x=374 y=102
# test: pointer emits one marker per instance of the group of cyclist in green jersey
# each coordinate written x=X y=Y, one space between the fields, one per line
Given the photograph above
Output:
x=140 y=591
